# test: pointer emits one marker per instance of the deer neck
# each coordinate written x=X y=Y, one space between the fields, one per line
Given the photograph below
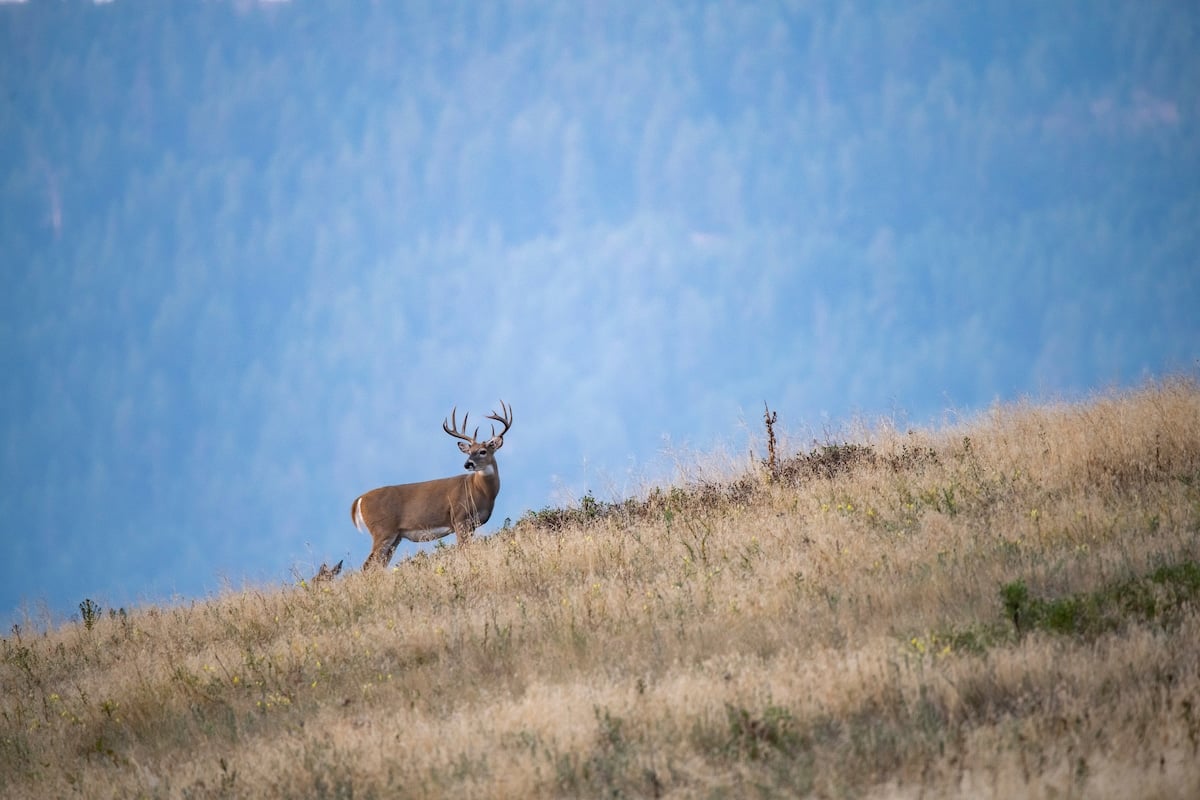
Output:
x=487 y=480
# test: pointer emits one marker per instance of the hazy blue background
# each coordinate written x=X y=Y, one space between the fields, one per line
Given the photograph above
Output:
x=252 y=253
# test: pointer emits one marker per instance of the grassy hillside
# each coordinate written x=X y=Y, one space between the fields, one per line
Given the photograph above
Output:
x=1003 y=609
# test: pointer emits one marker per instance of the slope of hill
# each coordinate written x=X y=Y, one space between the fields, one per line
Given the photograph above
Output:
x=1004 y=608
x=233 y=231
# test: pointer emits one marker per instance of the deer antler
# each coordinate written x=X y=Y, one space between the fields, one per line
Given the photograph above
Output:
x=451 y=427
x=505 y=419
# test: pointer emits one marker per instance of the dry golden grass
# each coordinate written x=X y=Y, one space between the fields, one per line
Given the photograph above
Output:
x=834 y=629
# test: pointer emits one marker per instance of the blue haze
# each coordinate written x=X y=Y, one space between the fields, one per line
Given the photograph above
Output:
x=253 y=253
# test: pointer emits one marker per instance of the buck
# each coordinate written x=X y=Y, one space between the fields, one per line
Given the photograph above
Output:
x=428 y=510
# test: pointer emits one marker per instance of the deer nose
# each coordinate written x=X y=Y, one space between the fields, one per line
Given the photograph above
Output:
x=469 y=465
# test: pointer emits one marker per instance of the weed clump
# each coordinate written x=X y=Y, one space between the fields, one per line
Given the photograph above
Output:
x=1159 y=597
x=826 y=461
x=759 y=736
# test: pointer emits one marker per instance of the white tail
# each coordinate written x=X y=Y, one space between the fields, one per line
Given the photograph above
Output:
x=422 y=512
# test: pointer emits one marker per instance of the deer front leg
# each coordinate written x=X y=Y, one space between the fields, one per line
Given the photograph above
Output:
x=464 y=528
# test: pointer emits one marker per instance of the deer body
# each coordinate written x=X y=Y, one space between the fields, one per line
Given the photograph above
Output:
x=428 y=510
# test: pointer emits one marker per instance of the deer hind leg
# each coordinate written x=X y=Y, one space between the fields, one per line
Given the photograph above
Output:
x=382 y=552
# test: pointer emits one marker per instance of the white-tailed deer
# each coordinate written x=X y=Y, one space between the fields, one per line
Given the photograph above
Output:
x=422 y=512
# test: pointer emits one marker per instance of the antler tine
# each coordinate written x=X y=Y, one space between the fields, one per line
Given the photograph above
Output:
x=451 y=427
x=505 y=418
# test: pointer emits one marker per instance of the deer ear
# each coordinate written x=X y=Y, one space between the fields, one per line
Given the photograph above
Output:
x=495 y=443
x=464 y=446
